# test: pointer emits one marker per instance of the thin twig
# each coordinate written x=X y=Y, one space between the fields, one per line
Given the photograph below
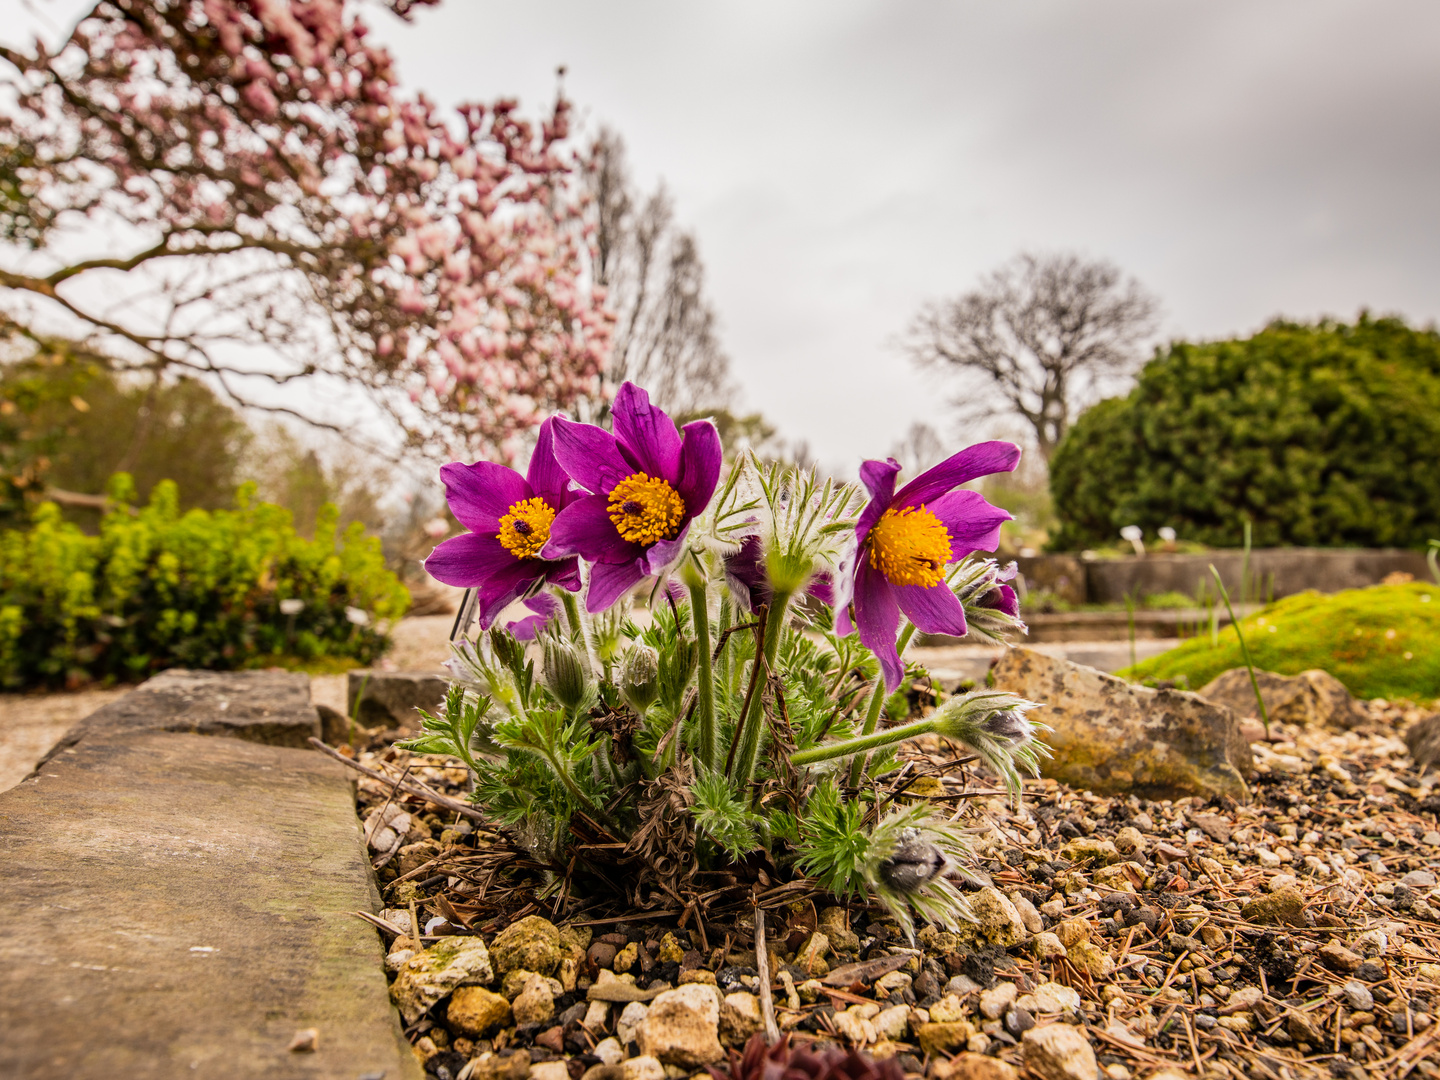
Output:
x=416 y=789
x=762 y=965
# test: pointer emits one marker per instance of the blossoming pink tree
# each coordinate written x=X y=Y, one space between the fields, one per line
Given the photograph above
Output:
x=238 y=188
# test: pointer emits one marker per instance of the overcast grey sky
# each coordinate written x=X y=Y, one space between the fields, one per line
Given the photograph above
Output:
x=841 y=162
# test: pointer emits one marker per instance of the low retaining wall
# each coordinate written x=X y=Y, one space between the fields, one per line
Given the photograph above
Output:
x=1272 y=571
x=180 y=905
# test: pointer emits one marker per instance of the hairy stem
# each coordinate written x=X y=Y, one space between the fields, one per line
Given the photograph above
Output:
x=572 y=613
x=861 y=744
x=748 y=738
x=877 y=702
x=705 y=681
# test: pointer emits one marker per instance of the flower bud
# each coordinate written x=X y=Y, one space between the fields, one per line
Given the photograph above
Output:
x=566 y=676
x=913 y=864
x=640 y=676
x=1008 y=725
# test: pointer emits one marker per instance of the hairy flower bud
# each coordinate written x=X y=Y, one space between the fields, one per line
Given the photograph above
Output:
x=1009 y=726
x=640 y=676
x=566 y=676
x=913 y=864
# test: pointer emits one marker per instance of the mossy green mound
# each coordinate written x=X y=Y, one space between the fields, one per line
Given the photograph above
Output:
x=1383 y=641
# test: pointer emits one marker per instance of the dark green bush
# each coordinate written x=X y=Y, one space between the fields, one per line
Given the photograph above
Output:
x=1324 y=435
x=157 y=589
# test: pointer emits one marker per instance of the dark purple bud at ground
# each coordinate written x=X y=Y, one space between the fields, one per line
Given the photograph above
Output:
x=1008 y=725
x=914 y=864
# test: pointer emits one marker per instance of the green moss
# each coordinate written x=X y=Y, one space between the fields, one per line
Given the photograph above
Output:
x=1383 y=641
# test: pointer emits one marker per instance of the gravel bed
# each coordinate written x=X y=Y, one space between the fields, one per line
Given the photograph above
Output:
x=1295 y=936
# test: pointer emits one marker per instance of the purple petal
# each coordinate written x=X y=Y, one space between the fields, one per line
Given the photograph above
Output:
x=745 y=575
x=547 y=479
x=934 y=609
x=822 y=588
x=972 y=522
x=584 y=528
x=982 y=459
x=1002 y=598
x=610 y=581
x=591 y=457
x=879 y=478
x=481 y=494
x=545 y=606
x=566 y=574
x=647 y=432
x=878 y=616
x=469 y=560
x=700 y=461
x=503 y=589
x=664 y=553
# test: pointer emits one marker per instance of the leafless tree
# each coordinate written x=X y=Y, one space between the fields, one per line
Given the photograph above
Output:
x=1050 y=333
x=666 y=337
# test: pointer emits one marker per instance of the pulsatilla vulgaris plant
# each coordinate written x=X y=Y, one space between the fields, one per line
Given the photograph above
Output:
x=700 y=680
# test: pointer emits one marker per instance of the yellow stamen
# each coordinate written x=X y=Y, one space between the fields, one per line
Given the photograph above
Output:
x=525 y=528
x=910 y=547
x=646 y=509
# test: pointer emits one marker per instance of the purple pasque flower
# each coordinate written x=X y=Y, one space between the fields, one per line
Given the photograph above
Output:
x=510 y=518
x=905 y=540
x=646 y=483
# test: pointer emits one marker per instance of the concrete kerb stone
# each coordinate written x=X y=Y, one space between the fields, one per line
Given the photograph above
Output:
x=389 y=698
x=271 y=707
x=174 y=905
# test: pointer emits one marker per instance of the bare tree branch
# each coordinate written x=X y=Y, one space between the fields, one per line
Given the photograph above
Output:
x=1048 y=333
x=666 y=336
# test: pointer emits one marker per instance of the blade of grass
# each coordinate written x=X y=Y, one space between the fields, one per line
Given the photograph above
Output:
x=1244 y=649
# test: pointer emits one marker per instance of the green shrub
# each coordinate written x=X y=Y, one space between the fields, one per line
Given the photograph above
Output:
x=1321 y=435
x=157 y=589
x=1383 y=641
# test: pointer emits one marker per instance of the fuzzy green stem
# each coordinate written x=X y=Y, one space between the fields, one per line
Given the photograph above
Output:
x=753 y=720
x=877 y=702
x=572 y=613
x=722 y=662
x=1244 y=649
x=705 y=681
x=861 y=744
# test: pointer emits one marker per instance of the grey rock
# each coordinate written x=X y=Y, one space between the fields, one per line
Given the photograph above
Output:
x=1357 y=996
x=197 y=898
x=270 y=707
x=676 y=1034
x=1111 y=737
x=1313 y=698
x=1059 y=1052
x=428 y=976
x=1418 y=879
x=1422 y=739
x=529 y=944
x=389 y=698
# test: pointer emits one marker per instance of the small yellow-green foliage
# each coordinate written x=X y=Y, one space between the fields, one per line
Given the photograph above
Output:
x=1383 y=641
x=157 y=588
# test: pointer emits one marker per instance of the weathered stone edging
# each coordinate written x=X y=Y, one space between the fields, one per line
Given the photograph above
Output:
x=176 y=905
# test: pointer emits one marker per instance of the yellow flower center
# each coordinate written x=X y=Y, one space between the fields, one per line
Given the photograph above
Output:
x=645 y=509
x=525 y=528
x=910 y=547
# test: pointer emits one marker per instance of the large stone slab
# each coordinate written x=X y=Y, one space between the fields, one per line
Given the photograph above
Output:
x=173 y=905
x=271 y=707
x=1115 y=738
x=390 y=698
x=1313 y=698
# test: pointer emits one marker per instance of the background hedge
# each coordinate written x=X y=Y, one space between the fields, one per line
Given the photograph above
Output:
x=1323 y=435
x=157 y=589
